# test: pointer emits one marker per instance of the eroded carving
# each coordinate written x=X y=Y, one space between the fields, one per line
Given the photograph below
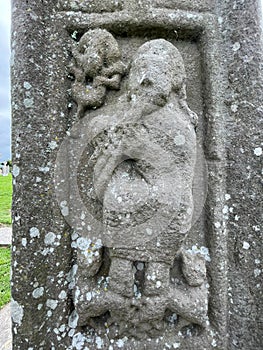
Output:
x=97 y=67
x=138 y=279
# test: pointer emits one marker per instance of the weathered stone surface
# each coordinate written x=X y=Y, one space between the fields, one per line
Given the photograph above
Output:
x=91 y=6
x=133 y=225
x=192 y=5
x=97 y=66
x=243 y=142
x=143 y=167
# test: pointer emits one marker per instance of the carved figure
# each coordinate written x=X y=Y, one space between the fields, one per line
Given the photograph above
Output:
x=144 y=158
x=97 y=67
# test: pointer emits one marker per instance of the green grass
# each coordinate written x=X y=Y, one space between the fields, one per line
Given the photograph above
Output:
x=5 y=258
x=5 y=199
x=5 y=253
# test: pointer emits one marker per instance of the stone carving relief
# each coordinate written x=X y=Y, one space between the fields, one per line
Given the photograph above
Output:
x=138 y=280
x=96 y=68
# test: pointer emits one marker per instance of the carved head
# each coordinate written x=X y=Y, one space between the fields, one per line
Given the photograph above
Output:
x=98 y=49
x=156 y=70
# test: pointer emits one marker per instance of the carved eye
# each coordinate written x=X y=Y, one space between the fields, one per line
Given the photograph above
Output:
x=160 y=100
x=88 y=80
x=146 y=82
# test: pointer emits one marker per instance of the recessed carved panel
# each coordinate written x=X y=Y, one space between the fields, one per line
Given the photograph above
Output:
x=134 y=271
x=143 y=167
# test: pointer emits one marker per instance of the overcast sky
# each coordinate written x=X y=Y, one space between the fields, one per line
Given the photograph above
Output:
x=4 y=80
x=5 y=16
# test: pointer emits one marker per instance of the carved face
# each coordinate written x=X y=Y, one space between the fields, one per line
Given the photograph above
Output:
x=92 y=61
x=151 y=78
x=97 y=48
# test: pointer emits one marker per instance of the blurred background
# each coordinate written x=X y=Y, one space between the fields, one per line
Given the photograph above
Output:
x=5 y=113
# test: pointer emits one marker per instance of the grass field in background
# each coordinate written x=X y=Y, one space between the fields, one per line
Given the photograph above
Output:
x=5 y=253
x=5 y=199
x=5 y=258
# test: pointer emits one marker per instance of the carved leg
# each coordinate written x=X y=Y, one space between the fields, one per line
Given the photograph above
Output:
x=157 y=278
x=121 y=277
x=190 y=303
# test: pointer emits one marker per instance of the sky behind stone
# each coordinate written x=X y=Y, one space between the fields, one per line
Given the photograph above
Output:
x=5 y=15
x=4 y=80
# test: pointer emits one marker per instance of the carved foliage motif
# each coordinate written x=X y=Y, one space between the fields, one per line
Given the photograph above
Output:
x=138 y=279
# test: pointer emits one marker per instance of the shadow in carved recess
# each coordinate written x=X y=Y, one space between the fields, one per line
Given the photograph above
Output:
x=138 y=281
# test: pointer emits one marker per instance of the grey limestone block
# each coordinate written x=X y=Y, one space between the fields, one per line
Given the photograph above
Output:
x=136 y=174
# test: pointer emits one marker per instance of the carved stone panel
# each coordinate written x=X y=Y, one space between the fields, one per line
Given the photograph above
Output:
x=119 y=141
x=142 y=163
x=134 y=162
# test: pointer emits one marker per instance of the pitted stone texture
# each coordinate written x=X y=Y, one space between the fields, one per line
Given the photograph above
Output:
x=143 y=160
x=222 y=60
x=97 y=6
x=90 y=6
x=244 y=171
x=191 y=5
x=96 y=68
